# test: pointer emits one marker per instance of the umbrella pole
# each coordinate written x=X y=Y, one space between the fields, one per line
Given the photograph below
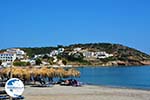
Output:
x=10 y=98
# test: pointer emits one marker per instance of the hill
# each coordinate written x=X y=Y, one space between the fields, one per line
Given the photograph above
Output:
x=122 y=55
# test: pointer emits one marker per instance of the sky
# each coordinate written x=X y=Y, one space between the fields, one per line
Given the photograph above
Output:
x=38 y=23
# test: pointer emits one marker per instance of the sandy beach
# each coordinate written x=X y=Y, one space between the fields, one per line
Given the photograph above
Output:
x=86 y=92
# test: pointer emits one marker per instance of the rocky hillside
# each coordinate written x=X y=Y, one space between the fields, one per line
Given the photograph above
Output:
x=122 y=55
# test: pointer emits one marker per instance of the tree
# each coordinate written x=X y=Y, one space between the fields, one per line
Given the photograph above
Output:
x=59 y=57
x=76 y=57
x=45 y=57
x=60 y=46
x=51 y=60
x=64 y=62
x=38 y=61
x=28 y=63
x=20 y=63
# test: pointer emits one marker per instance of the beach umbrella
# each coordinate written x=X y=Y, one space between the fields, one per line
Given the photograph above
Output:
x=51 y=72
x=43 y=71
x=73 y=72
x=34 y=71
x=60 y=72
x=5 y=72
x=27 y=73
x=17 y=72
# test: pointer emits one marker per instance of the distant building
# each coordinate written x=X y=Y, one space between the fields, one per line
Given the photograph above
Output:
x=7 y=56
x=19 y=53
x=61 y=50
x=54 y=53
x=88 y=54
x=32 y=62
x=6 y=64
x=77 y=49
x=38 y=56
x=102 y=54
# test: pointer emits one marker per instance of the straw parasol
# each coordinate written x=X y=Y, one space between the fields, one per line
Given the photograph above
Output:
x=5 y=71
x=17 y=72
x=51 y=72
x=73 y=72
x=34 y=72
x=43 y=71
x=60 y=72
x=27 y=73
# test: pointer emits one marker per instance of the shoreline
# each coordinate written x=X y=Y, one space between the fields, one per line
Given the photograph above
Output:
x=119 y=87
x=80 y=66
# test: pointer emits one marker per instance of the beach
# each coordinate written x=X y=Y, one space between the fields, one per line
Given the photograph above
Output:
x=86 y=92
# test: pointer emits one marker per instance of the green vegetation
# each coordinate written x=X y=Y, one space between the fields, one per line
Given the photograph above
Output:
x=118 y=50
x=122 y=54
x=34 y=51
x=75 y=57
x=38 y=61
x=109 y=59
x=50 y=60
x=19 y=63
x=64 y=62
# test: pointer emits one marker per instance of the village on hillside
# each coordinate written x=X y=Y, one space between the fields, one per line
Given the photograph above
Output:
x=51 y=59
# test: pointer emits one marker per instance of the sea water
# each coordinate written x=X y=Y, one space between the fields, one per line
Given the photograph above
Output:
x=126 y=77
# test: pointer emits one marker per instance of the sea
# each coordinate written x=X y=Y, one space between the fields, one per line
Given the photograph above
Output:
x=137 y=77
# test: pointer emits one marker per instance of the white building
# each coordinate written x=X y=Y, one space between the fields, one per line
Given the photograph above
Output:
x=6 y=64
x=7 y=56
x=77 y=49
x=32 y=62
x=103 y=55
x=38 y=56
x=19 y=53
x=61 y=50
x=88 y=54
x=54 y=53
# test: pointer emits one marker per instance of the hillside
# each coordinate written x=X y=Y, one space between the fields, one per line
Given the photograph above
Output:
x=122 y=55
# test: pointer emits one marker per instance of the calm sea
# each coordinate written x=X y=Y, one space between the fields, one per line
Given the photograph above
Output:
x=128 y=77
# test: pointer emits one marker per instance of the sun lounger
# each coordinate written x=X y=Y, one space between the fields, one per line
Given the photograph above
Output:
x=4 y=97
x=2 y=92
x=18 y=98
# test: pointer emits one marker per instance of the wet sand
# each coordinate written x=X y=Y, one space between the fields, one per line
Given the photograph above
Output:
x=86 y=92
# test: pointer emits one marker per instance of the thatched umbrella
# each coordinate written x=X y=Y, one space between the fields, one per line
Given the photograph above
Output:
x=60 y=72
x=27 y=73
x=43 y=71
x=34 y=72
x=5 y=73
x=51 y=72
x=73 y=72
x=17 y=72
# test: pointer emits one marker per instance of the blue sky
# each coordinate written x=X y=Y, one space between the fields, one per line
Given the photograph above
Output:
x=36 y=23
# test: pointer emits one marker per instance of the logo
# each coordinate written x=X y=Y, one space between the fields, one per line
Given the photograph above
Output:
x=14 y=87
